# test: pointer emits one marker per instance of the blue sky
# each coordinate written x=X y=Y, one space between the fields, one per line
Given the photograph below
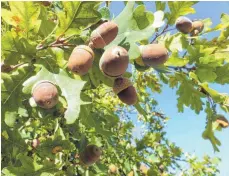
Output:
x=185 y=129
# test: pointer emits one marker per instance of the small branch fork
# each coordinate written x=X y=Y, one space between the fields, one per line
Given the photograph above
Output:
x=59 y=42
x=162 y=32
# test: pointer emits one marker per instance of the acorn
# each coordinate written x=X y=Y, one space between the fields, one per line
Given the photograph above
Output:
x=223 y=122
x=184 y=25
x=57 y=149
x=35 y=143
x=45 y=94
x=113 y=169
x=103 y=35
x=197 y=27
x=143 y=169
x=131 y=173
x=125 y=91
x=81 y=59
x=226 y=102
x=114 y=61
x=152 y=55
x=45 y=3
x=90 y=155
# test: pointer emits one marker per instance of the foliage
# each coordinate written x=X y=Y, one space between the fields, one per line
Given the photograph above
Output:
x=36 y=43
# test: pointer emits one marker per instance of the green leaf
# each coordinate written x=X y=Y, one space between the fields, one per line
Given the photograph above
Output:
x=197 y=52
x=208 y=132
x=211 y=61
x=96 y=75
x=76 y=17
x=179 y=8
x=45 y=148
x=176 y=42
x=30 y=167
x=217 y=97
x=160 y=5
x=225 y=19
x=206 y=74
x=93 y=122
x=12 y=96
x=176 y=61
x=142 y=17
x=191 y=99
x=105 y=13
x=140 y=110
x=15 y=49
x=222 y=74
x=12 y=140
x=47 y=25
x=10 y=118
x=70 y=89
x=207 y=23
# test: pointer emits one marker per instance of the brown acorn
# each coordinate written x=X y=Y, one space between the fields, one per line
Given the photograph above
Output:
x=152 y=55
x=113 y=169
x=131 y=173
x=143 y=169
x=197 y=27
x=223 y=122
x=81 y=59
x=114 y=61
x=35 y=143
x=103 y=35
x=57 y=149
x=184 y=25
x=45 y=3
x=125 y=91
x=90 y=155
x=45 y=94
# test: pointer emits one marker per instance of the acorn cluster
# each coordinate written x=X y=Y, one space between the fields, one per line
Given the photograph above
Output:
x=187 y=26
x=114 y=61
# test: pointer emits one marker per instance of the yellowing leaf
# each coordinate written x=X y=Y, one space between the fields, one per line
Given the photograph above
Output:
x=25 y=15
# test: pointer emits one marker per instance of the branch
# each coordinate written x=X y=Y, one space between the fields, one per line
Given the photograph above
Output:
x=162 y=32
x=9 y=68
x=59 y=42
x=158 y=114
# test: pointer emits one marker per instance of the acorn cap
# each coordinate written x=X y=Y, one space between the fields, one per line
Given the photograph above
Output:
x=57 y=149
x=139 y=60
x=103 y=35
x=39 y=82
x=121 y=84
x=198 y=25
x=86 y=48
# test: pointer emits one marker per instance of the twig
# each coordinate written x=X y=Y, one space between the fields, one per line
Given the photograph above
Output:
x=59 y=42
x=9 y=68
x=163 y=31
